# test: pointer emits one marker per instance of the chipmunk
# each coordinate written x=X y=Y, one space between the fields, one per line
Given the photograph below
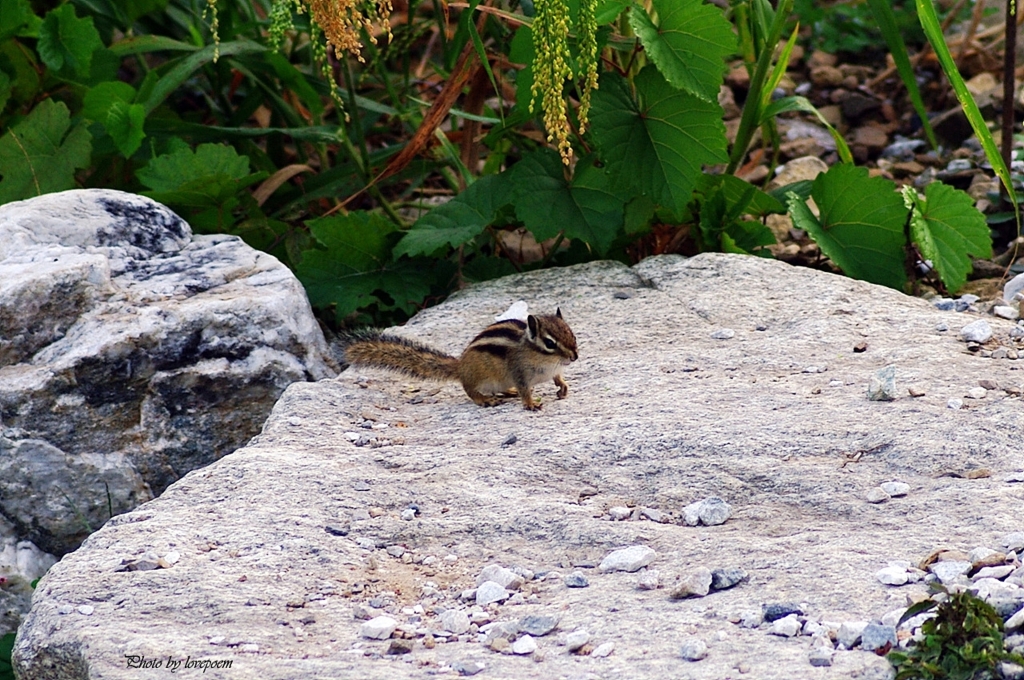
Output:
x=507 y=354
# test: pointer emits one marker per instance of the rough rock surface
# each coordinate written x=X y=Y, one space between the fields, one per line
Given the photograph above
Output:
x=131 y=352
x=281 y=541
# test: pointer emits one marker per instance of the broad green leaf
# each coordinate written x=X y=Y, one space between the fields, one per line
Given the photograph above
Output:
x=124 y=123
x=521 y=52
x=861 y=226
x=948 y=230
x=98 y=100
x=355 y=268
x=137 y=8
x=609 y=10
x=689 y=45
x=658 y=145
x=637 y=215
x=171 y=171
x=748 y=236
x=23 y=69
x=933 y=30
x=459 y=220
x=66 y=39
x=733 y=188
x=5 y=89
x=15 y=16
x=39 y=155
x=586 y=208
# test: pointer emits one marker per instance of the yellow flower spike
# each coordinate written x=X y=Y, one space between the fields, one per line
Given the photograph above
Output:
x=551 y=66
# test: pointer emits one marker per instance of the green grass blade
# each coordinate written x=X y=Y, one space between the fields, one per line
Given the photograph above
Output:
x=802 y=104
x=930 y=23
x=887 y=22
x=751 y=117
x=780 y=68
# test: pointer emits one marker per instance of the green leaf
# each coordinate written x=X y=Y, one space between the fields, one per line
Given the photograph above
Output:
x=689 y=45
x=748 y=236
x=459 y=220
x=734 y=188
x=948 y=229
x=110 y=103
x=66 y=39
x=586 y=208
x=521 y=52
x=98 y=100
x=797 y=103
x=933 y=30
x=124 y=123
x=141 y=44
x=355 y=268
x=15 y=16
x=659 y=145
x=172 y=171
x=861 y=226
x=765 y=44
x=24 y=70
x=183 y=69
x=5 y=90
x=609 y=10
x=39 y=155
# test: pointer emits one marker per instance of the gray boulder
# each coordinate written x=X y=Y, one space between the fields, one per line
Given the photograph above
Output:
x=277 y=545
x=131 y=352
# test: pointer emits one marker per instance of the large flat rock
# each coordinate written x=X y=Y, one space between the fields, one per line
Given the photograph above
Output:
x=281 y=541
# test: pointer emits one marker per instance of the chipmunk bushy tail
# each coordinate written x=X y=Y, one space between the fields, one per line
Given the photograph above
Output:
x=371 y=347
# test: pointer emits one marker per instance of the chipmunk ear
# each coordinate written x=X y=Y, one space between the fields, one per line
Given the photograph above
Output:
x=531 y=324
x=558 y=312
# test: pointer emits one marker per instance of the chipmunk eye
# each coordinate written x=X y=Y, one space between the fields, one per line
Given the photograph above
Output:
x=549 y=343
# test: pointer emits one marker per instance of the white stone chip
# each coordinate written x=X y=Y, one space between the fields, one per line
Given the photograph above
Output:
x=379 y=628
x=630 y=559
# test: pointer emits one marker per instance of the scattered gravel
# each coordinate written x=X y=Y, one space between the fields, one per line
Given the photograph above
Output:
x=977 y=331
x=693 y=649
x=538 y=625
x=995 y=575
x=849 y=633
x=649 y=579
x=876 y=495
x=379 y=628
x=949 y=572
x=577 y=639
x=576 y=580
x=787 y=626
x=628 y=559
x=883 y=385
x=524 y=645
x=696 y=583
x=892 y=576
x=506 y=578
x=776 y=610
x=722 y=579
x=710 y=512
x=896 y=489
x=455 y=621
x=489 y=592
x=876 y=636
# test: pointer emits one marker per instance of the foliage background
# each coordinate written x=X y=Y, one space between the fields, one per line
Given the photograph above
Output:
x=238 y=116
